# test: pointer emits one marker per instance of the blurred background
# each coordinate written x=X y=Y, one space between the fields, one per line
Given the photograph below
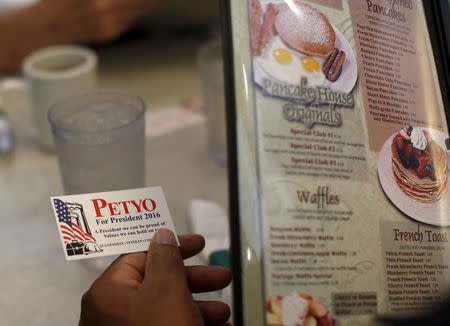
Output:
x=173 y=12
x=154 y=56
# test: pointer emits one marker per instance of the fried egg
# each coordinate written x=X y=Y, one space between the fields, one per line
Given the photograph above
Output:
x=287 y=65
x=310 y=64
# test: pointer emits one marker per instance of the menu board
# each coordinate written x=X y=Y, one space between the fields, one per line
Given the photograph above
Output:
x=340 y=162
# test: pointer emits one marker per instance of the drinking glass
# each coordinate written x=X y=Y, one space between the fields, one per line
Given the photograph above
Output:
x=210 y=65
x=100 y=142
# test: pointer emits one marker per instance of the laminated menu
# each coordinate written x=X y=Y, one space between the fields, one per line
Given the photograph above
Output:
x=340 y=156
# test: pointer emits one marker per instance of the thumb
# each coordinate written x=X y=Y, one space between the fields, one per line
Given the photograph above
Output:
x=164 y=269
x=165 y=283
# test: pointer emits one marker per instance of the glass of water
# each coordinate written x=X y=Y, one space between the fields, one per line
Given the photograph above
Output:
x=100 y=141
x=210 y=65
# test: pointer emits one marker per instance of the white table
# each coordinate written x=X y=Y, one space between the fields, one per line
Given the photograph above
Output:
x=38 y=287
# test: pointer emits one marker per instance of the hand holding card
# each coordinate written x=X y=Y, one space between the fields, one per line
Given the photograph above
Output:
x=155 y=288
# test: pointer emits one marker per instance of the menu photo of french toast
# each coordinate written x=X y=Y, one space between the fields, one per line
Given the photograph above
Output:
x=297 y=309
x=419 y=165
x=293 y=40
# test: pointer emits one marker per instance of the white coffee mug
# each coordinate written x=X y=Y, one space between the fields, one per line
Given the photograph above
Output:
x=51 y=74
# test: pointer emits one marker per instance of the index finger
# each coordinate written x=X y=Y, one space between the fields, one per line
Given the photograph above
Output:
x=191 y=245
x=129 y=268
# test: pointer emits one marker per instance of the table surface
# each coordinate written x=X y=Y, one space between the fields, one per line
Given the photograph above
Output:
x=38 y=286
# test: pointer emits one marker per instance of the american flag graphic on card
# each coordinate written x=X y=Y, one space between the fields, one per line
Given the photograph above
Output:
x=110 y=223
x=75 y=229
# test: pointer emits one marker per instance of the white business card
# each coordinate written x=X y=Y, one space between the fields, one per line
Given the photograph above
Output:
x=110 y=223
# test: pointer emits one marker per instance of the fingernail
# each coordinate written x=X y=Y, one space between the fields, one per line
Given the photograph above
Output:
x=165 y=236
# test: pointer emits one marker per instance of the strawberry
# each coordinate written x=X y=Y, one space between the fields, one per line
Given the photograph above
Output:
x=423 y=160
x=422 y=171
x=408 y=152
x=417 y=155
x=399 y=142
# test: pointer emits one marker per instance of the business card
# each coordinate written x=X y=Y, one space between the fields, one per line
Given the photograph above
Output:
x=110 y=223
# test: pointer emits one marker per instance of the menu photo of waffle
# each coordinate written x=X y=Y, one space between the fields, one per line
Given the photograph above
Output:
x=298 y=309
x=292 y=40
x=413 y=171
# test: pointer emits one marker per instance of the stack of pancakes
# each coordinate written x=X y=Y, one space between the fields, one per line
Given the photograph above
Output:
x=424 y=190
x=305 y=28
x=299 y=25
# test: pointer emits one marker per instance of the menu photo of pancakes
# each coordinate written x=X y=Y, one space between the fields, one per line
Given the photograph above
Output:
x=413 y=171
x=298 y=309
x=292 y=40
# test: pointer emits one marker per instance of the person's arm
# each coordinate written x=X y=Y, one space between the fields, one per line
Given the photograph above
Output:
x=52 y=22
x=154 y=288
x=21 y=32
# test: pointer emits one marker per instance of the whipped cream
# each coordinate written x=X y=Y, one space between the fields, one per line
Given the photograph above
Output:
x=294 y=309
x=418 y=139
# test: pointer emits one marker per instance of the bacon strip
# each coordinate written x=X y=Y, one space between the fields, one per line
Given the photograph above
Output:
x=267 y=28
x=256 y=13
x=329 y=61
